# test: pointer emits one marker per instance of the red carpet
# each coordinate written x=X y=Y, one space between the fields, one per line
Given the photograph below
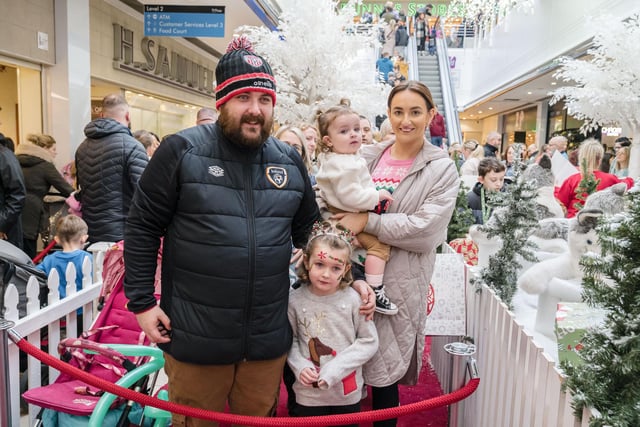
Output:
x=427 y=387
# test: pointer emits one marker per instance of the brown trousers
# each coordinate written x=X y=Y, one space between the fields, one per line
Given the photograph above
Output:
x=250 y=388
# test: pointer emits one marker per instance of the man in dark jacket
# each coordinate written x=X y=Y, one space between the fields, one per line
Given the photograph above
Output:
x=229 y=200
x=12 y=196
x=109 y=164
x=492 y=145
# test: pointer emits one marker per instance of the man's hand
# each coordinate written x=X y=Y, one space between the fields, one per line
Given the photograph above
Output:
x=155 y=324
x=3 y=236
x=368 y=306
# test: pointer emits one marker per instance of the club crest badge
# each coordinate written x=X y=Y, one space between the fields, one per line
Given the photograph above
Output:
x=277 y=176
x=252 y=60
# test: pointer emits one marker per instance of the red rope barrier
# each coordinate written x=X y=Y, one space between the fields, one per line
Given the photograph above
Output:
x=341 y=419
x=44 y=252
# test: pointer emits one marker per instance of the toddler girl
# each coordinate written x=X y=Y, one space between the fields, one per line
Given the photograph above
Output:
x=346 y=186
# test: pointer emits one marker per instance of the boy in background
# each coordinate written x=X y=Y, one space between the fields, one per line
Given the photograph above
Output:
x=71 y=233
x=490 y=178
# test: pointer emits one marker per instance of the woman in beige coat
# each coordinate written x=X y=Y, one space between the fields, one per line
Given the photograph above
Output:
x=414 y=225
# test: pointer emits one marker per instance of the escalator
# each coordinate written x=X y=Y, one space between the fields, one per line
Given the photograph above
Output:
x=434 y=72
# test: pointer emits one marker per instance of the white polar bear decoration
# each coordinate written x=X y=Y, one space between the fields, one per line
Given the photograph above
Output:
x=560 y=278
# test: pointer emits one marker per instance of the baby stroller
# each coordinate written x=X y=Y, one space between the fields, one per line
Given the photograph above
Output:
x=114 y=349
x=16 y=267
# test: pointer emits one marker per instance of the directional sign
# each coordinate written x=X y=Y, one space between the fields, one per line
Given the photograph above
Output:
x=183 y=21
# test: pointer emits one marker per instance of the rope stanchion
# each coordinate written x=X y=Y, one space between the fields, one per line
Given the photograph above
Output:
x=146 y=400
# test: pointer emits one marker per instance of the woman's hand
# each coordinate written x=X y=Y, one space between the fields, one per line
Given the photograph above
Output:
x=354 y=222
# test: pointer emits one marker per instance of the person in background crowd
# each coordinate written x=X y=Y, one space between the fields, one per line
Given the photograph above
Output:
x=324 y=315
x=402 y=39
x=384 y=66
x=311 y=142
x=437 y=130
x=389 y=13
x=421 y=28
x=455 y=154
x=558 y=143
x=386 y=131
x=532 y=153
x=109 y=163
x=367 y=17
x=401 y=68
x=148 y=140
x=620 y=167
x=492 y=145
x=205 y=116
x=367 y=133
x=622 y=141
x=509 y=159
x=223 y=344
x=12 y=195
x=472 y=153
x=590 y=154
x=294 y=137
x=425 y=185
x=490 y=179
x=71 y=234
x=36 y=157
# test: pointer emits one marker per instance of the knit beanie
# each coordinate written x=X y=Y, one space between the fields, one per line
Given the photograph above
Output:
x=241 y=70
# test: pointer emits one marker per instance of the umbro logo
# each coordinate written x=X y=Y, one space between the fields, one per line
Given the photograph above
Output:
x=216 y=171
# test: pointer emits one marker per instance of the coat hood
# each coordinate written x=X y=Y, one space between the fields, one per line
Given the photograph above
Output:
x=102 y=127
x=30 y=154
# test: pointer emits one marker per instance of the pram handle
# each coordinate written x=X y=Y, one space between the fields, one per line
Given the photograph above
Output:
x=93 y=347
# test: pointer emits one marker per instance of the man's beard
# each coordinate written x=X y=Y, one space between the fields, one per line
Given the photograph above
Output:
x=232 y=129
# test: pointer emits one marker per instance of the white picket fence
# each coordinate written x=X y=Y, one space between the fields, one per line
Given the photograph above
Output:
x=49 y=317
x=519 y=383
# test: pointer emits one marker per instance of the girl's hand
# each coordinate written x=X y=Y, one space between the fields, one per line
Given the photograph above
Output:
x=308 y=376
x=354 y=222
x=384 y=195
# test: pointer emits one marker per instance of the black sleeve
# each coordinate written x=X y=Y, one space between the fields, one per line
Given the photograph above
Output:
x=55 y=179
x=357 y=271
x=307 y=213
x=152 y=210
x=13 y=191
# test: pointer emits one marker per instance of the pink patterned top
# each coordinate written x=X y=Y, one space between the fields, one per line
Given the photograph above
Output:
x=388 y=173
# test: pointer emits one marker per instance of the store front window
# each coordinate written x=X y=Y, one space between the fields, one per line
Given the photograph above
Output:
x=20 y=101
x=163 y=117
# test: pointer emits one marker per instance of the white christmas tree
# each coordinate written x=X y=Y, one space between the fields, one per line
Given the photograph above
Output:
x=607 y=84
x=487 y=13
x=318 y=59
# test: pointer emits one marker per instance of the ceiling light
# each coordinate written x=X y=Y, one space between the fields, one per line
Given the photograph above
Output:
x=480 y=112
x=490 y=108
x=529 y=93
x=553 y=83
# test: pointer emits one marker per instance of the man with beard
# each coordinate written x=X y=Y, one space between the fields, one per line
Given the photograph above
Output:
x=228 y=200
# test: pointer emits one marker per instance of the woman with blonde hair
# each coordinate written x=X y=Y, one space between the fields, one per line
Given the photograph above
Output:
x=473 y=152
x=294 y=137
x=36 y=156
x=620 y=167
x=590 y=155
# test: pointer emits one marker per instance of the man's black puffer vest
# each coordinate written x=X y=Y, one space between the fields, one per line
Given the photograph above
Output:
x=227 y=214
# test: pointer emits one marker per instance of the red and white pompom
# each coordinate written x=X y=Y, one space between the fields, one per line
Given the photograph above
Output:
x=240 y=43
